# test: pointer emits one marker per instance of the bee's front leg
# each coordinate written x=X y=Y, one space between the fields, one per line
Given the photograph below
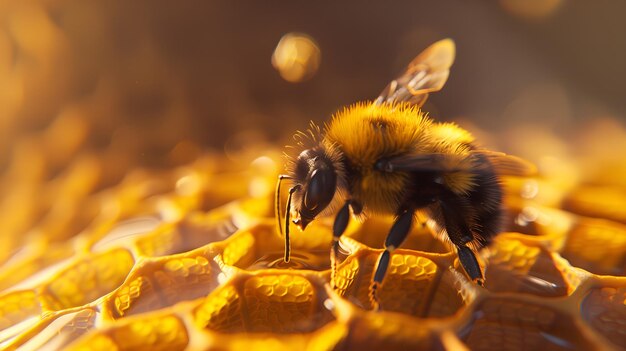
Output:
x=396 y=236
x=339 y=227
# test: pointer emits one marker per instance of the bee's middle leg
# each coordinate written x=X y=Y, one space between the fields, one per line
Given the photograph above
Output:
x=396 y=236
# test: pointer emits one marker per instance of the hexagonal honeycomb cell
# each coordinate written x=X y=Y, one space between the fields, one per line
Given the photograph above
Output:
x=163 y=332
x=597 y=245
x=523 y=325
x=604 y=309
x=87 y=280
x=114 y=242
x=265 y=302
x=520 y=264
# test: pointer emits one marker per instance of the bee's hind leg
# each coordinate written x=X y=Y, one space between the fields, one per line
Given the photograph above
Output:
x=396 y=236
x=454 y=215
x=470 y=263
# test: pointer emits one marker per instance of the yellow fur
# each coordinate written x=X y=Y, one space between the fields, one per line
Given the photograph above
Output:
x=366 y=132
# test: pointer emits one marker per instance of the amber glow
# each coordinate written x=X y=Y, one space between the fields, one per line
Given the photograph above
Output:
x=120 y=227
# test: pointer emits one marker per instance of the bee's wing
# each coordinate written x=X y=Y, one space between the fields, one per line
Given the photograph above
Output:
x=505 y=164
x=427 y=73
x=433 y=162
x=502 y=163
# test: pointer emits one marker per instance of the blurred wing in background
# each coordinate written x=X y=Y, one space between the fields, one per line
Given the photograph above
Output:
x=510 y=165
x=427 y=73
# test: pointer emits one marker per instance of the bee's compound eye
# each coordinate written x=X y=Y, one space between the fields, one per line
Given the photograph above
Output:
x=320 y=190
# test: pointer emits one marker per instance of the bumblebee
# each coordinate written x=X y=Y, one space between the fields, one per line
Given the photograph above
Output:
x=388 y=157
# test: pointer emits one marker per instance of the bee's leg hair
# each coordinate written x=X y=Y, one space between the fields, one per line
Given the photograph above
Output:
x=396 y=236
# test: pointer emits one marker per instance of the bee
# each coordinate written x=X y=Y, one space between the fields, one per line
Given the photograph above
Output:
x=386 y=156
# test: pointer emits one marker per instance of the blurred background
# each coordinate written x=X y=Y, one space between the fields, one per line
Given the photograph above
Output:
x=156 y=83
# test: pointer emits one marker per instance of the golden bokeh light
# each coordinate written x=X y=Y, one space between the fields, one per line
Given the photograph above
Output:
x=296 y=57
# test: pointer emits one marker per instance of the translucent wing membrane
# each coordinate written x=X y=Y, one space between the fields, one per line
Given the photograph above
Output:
x=427 y=73
x=505 y=164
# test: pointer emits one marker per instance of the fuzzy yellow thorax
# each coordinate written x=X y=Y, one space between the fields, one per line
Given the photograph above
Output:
x=366 y=132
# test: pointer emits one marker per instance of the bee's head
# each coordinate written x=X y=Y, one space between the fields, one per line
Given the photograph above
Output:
x=318 y=178
x=315 y=183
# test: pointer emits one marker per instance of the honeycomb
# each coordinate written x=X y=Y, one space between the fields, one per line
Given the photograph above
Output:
x=186 y=259
x=98 y=253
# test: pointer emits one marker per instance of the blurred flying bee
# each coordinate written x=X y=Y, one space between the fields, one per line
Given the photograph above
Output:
x=387 y=157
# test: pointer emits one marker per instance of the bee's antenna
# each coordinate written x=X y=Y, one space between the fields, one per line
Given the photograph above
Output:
x=277 y=202
x=287 y=219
